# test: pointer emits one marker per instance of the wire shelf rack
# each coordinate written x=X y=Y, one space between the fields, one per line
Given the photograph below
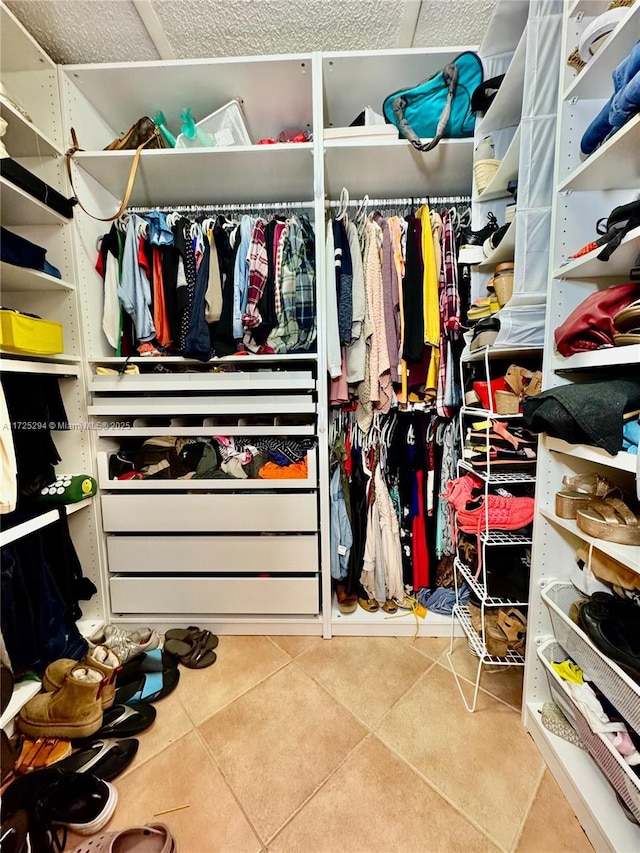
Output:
x=505 y=537
x=478 y=648
x=480 y=590
x=495 y=477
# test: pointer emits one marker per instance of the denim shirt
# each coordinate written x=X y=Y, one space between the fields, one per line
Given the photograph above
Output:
x=241 y=276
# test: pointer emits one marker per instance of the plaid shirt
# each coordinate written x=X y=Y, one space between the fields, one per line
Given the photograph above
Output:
x=296 y=329
x=449 y=312
x=258 y=269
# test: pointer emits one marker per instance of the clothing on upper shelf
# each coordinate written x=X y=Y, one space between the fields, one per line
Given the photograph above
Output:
x=393 y=311
x=209 y=287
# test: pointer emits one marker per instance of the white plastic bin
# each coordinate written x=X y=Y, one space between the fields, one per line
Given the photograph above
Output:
x=225 y=127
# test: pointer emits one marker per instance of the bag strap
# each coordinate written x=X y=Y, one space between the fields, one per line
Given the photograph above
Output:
x=132 y=176
x=398 y=105
x=613 y=243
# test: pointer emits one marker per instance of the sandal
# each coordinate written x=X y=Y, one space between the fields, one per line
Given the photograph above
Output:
x=514 y=626
x=369 y=604
x=579 y=490
x=390 y=606
x=196 y=652
x=105 y=759
x=178 y=641
x=347 y=603
x=121 y=721
x=37 y=753
x=147 y=687
x=610 y=519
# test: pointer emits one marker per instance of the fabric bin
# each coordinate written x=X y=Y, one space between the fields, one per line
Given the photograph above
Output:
x=19 y=333
x=611 y=763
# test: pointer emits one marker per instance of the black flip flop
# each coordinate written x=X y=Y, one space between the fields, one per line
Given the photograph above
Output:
x=122 y=721
x=179 y=641
x=155 y=661
x=195 y=652
x=105 y=759
x=147 y=687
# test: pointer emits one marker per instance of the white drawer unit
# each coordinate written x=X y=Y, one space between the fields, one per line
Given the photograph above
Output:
x=221 y=595
x=246 y=382
x=274 y=554
x=209 y=513
x=255 y=404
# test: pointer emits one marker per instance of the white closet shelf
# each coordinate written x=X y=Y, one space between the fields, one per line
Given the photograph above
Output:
x=179 y=359
x=606 y=357
x=49 y=516
x=594 y=80
x=20 y=208
x=495 y=476
x=506 y=109
x=22 y=692
x=618 y=265
x=593 y=797
x=507 y=171
x=498 y=352
x=257 y=405
x=18 y=49
x=622 y=461
x=360 y=623
x=613 y=166
x=23 y=138
x=394 y=167
x=275 y=91
x=626 y=554
x=13 y=278
x=206 y=175
x=55 y=365
x=236 y=381
x=504 y=251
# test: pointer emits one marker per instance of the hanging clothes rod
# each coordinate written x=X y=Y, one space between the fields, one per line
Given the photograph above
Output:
x=398 y=202
x=231 y=206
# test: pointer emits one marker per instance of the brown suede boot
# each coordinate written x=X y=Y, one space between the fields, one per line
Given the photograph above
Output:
x=100 y=658
x=74 y=711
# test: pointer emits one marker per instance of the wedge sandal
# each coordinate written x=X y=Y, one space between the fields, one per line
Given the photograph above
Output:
x=577 y=491
x=610 y=519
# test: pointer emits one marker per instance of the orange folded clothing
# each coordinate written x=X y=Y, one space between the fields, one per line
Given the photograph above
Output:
x=296 y=471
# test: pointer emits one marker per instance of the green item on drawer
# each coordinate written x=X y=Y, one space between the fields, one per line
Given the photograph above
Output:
x=69 y=489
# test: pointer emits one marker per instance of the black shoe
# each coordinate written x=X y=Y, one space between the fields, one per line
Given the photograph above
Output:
x=613 y=625
x=494 y=240
x=471 y=242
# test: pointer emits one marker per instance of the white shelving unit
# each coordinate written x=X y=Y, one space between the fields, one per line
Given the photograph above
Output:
x=31 y=79
x=585 y=190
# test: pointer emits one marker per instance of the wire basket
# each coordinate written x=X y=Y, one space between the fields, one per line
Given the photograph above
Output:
x=608 y=759
x=616 y=685
x=484 y=170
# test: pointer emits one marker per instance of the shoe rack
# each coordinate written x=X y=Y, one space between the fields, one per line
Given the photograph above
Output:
x=595 y=781
x=490 y=543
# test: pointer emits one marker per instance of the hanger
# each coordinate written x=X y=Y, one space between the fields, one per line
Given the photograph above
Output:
x=344 y=204
x=172 y=218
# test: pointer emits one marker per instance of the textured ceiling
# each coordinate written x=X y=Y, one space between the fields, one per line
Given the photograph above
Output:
x=76 y=31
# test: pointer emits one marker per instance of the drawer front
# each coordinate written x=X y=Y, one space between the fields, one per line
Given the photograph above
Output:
x=205 y=513
x=192 y=554
x=259 y=380
x=209 y=595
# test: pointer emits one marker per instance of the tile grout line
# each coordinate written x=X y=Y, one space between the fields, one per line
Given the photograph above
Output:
x=527 y=812
x=133 y=767
x=447 y=667
x=442 y=795
x=229 y=786
x=322 y=784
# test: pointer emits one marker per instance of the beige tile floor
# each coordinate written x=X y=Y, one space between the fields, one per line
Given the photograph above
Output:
x=353 y=745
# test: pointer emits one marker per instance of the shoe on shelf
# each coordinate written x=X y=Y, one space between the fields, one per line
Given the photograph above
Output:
x=578 y=490
x=471 y=242
x=485 y=164
x=610 y=519
x=493 y=240
x=485 y=333
x=347 y=602
x=73 y=711
x=483 y=308
x=613 y=625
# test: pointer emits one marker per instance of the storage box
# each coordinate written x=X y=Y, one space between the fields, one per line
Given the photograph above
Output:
x=225 y=127
x=19 y=333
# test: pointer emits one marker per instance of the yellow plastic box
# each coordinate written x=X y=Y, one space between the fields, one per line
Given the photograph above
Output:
x=29 y=335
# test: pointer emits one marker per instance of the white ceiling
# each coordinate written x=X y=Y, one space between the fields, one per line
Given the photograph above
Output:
x=77 y=31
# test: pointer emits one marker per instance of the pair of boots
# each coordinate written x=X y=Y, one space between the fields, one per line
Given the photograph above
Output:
x=77 y=693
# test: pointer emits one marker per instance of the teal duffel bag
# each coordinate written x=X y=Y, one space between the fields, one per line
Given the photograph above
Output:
x=439 y=108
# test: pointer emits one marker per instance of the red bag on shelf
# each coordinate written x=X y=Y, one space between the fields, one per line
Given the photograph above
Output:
x=590 y=325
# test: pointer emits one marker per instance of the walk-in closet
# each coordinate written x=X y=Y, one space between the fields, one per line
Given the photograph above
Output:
x=320 y=397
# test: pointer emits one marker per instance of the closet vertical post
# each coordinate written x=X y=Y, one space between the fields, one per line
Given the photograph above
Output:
x=322 y=379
